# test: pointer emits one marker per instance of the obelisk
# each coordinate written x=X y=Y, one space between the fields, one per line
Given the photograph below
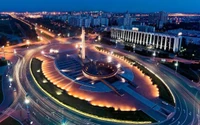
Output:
x=83 y=43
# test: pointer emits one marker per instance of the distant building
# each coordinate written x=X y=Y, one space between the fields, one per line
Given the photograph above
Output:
x=158 y=18
x=96 y=22
x=190 y=36
x=86 y=22
x=127 y=20
x=80 y=21
x=75 y=21
x=104 y=21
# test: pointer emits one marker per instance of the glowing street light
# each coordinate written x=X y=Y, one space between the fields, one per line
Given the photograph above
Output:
x=76 y=46
x=59 y=34
x=109 y=59
x=27 y=101
x=134 y=47
x=180 y=34
x=99 y=38
x=118 y=65
x=42 y=52
x=176 y=65
x=10 y=79
x=68 y=35
x=15 y=52
x=154 y=55
x=31 y=122
x=28 y=42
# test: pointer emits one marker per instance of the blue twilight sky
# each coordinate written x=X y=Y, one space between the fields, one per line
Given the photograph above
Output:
x=105 y=5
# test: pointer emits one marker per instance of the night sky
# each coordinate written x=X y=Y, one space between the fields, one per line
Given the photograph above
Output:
x=105 y=5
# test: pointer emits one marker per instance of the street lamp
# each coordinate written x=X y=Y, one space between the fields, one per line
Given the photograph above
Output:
x=134 y=47
x=68 y=35
x=10 y=79
x=28 y=42
x=154 y=55
x=27 y=101
x=118 y=66
x=99 y=38
x=176 y=65
x=180 y=34
x=76 y=46
x=42 y=52
x=109 y=59
x=15 y=52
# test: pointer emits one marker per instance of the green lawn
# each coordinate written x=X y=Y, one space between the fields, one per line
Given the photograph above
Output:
x=82 y=105
x=10 y=121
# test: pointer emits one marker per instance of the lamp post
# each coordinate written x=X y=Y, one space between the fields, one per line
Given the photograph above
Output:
x=99 y=38
x=42 y=52
x=133 y=47
x=176 y=66
x=154 y=55
x=28 y=43
x=109 y=59
x=27 y=102
x=15 y=52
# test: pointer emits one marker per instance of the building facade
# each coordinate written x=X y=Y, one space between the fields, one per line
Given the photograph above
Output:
x=190 y=36
x=80 y=21
x=159 y=41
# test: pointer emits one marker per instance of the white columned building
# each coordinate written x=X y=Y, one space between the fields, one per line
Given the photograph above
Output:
x=158 y=40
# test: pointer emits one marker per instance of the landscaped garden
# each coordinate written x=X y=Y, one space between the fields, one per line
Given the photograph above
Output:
x=82 y=105
x=163 y=90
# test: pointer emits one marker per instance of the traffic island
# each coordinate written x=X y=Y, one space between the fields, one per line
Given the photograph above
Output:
x=84 y=107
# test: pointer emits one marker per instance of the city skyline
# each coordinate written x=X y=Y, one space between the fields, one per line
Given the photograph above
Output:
x=111 y=6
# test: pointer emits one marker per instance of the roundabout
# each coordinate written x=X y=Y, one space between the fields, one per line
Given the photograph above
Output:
x=111 y=88
x=58 y=88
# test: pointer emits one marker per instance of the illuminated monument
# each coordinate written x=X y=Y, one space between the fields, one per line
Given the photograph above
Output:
x=83 y=44
x=96 y=70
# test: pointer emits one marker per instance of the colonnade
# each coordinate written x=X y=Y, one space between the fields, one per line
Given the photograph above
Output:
x=158 y=40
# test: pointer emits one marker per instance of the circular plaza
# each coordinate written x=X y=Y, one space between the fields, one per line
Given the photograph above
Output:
x=103 y=84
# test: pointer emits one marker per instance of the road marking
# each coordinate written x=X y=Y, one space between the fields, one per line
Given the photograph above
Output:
x=185 y=112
